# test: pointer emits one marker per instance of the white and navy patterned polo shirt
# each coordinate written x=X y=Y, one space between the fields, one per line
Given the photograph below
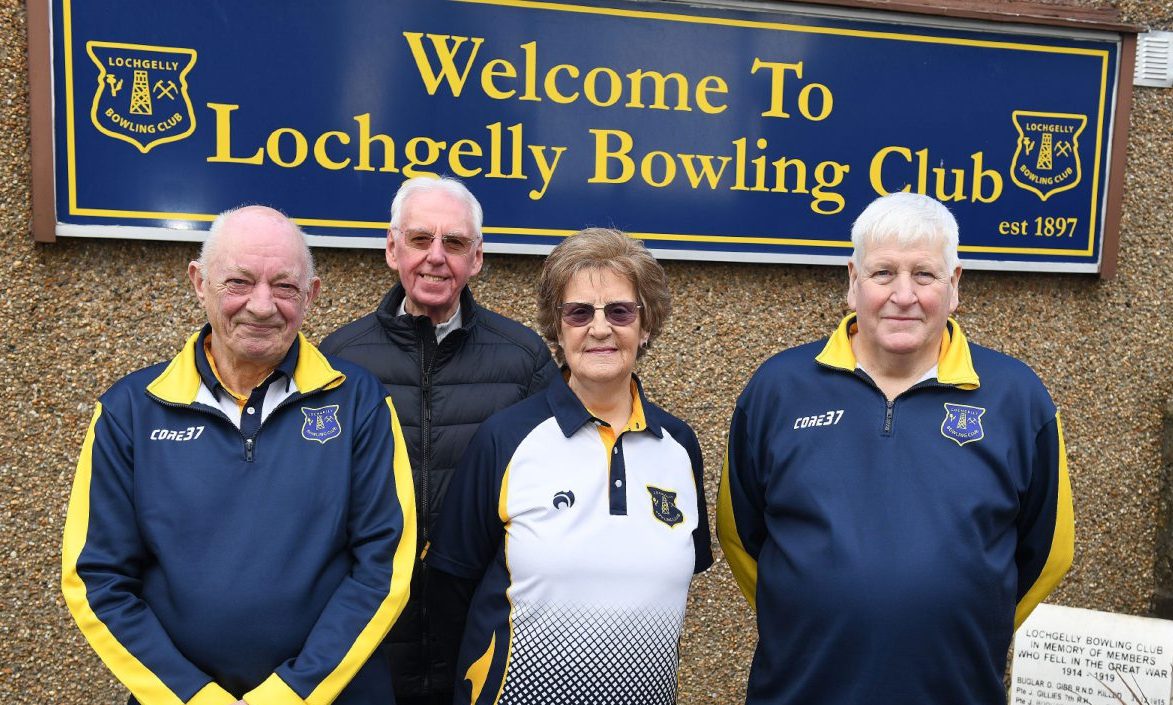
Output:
x=584 y=542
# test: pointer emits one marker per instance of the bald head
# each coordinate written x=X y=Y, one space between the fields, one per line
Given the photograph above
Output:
x=238 y=222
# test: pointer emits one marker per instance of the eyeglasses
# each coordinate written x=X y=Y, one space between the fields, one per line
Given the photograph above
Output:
x=617 y=313
x=452 y=244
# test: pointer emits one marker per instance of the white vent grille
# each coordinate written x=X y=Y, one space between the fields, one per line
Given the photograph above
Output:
x=1154 y=60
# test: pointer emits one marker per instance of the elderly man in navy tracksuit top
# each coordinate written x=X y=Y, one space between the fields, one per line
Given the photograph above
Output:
x=242 y=523
x=895 y=498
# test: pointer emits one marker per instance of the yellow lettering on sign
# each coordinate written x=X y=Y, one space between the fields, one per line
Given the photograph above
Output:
x=551 y=84
x=895 y=168
x=778 y=92
x=604 y=155
x=320 y=155
x=300 y=147
x=591 y=91
x=660 y=89
x=446 y=55
x=446 y=61
x=366 y=139
x=411 y=150
x=504 y=155
x=707 y=85
x=616 y=162
x=461 y=149
x=494 y=69
x=710 y=174
x=224 y=137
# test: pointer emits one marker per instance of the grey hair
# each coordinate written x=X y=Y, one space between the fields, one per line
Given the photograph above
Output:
x=447 y=184
x=208 y=248
x=905 y=219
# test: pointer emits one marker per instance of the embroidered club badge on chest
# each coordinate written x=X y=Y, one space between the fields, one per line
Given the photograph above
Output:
x=321 y=424
x=664 y=506
x=963 y=424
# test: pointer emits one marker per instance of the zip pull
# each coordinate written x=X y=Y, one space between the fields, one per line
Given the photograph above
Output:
x=249 y=443
x=888 y=418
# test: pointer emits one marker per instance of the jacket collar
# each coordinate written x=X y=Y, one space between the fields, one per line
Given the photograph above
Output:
x=180 y=382
x=571 y=414
x=954 y=363
x=208 y=374
x=412 y=326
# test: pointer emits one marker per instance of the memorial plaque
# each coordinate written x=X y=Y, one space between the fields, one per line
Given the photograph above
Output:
x=1071 y=655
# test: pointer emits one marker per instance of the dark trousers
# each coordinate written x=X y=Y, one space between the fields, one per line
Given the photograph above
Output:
x=433 y=699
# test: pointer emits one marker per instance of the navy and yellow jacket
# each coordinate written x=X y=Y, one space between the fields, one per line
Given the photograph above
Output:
x=890 y=548
x=206 y=566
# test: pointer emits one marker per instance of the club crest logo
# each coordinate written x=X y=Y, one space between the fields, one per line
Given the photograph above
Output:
x=142 y=93
x=1046 y=160
x=563 y=499
x=664 y=506
x=321 y=424
x=963 y=424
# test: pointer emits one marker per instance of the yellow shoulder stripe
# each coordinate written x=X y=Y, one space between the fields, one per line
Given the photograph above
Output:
x=743 y=565
x=1062 y=543
x=401 y=567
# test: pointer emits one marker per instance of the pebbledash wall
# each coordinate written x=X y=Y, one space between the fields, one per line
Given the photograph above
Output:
x=76 y=315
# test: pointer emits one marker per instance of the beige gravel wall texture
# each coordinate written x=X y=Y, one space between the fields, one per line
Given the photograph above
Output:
x=77 y=315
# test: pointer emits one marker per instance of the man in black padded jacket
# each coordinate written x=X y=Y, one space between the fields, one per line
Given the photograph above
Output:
x=449 y=364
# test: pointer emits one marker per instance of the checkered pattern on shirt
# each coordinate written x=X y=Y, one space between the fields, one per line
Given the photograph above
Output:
x=591 y=656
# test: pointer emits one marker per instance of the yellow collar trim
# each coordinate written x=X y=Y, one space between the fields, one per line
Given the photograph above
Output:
x=240 y=401
x=313 y=370
x=954 y=363
x=180 y=382
x=637 y=422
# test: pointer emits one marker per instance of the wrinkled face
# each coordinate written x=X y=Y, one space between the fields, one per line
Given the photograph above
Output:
x=600 y=352
x=254 y=288
x=433 y=278
x=902 y=298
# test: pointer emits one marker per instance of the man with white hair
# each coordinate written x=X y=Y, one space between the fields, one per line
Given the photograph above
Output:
x=449 y=363
x=895 y=499
x=242 y=522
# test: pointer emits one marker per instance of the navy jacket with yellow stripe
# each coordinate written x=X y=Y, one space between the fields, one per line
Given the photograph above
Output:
x=204 y=568
x=891 y=548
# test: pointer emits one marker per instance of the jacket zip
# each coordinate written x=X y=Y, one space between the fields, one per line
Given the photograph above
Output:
x=429 y=351
x=427 y=340
x=428 y=348
x=889 y=403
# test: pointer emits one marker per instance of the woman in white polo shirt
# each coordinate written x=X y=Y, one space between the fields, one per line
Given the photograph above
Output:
x=580 y=512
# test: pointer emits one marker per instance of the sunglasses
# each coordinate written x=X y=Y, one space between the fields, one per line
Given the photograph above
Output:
x=452 y=244
x=617 y=313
